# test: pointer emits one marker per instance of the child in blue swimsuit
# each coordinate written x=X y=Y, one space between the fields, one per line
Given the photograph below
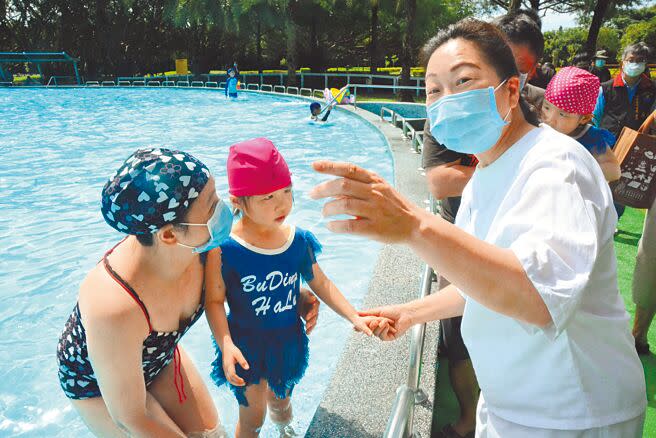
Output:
x=262 y=348
x=232 y=82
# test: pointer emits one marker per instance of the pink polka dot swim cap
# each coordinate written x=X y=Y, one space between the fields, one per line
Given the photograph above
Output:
x=573 y=90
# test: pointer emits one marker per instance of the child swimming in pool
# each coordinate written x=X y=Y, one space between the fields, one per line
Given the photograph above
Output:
x=316 y=110
x=232 y=81
x=262 y=348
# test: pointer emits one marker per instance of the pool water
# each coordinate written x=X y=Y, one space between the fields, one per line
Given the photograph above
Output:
x=59 y=147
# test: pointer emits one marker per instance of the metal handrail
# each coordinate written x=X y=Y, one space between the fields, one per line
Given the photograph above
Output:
x=278 y=87
x=197 y=83
x=124 y=83
x=384 y=87
x=318 y=93
x=383 y=111
x=211 y=84
x=268 y=86
x=138 y=83
x=182 y=84
x=154 y=84
x=107 y=83
x=409 y=394
x=418 y=141
x=255 y=87
x=306 y=90
x=92 y=83
x=289 y=89
x=168 y=83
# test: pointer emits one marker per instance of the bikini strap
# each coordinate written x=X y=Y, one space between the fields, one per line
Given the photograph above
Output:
x=117 y=278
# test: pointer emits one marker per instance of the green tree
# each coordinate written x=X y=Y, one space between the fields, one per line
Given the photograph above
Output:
x=643 y=31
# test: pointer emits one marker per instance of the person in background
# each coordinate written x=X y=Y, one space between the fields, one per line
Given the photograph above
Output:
x=599 y=68
x=316 y=110
x=447 y=173
x=644 y=283
x=582 y=60
x=232 y=81
x=543 y=74
x=522 y=28
x=568 y=104
x=627 y=99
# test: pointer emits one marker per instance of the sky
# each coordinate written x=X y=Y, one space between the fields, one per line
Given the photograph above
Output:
x=552 y=20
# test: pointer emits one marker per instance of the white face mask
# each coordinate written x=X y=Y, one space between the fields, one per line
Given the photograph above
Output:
x=634 y=69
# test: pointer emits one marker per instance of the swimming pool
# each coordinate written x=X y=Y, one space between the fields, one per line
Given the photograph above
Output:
x=59 y=146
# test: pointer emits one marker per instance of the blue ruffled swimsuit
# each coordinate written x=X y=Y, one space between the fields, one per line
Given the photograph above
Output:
x=262 y=291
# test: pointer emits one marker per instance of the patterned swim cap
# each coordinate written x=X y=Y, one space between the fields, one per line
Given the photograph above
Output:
x=152 y=188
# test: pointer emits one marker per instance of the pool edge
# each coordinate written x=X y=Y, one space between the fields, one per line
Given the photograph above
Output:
x=359 y=397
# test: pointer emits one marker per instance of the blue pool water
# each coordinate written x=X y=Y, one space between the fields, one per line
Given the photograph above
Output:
x=59 y=146
x=407 y=110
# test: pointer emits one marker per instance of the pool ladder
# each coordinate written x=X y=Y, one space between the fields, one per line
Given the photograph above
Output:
x=409 y=394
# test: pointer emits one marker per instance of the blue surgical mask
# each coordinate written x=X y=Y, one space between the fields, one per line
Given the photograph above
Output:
x=467 y=122
x=634 y=69
x=600 y=62
x=219 y=227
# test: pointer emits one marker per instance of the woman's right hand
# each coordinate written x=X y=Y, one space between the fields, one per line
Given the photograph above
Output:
x=398 y=313
x=231 y=356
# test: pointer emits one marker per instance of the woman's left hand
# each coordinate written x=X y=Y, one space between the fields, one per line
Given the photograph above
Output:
x=309 y=309
x=381 y=213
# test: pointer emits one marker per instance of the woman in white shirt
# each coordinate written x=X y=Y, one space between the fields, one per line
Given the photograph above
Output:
x=531 y=257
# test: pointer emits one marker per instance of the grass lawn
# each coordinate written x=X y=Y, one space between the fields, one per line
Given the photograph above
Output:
x=626 y=245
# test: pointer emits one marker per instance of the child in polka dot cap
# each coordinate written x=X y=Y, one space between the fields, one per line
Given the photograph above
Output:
x=569 y=101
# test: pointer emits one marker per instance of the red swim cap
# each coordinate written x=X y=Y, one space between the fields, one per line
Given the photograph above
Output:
x=255 y=167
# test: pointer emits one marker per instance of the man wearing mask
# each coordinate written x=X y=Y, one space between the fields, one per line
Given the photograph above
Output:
x=627 y=100
x=599 y=68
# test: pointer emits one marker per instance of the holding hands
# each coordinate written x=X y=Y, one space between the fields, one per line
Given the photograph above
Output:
x=388 y=322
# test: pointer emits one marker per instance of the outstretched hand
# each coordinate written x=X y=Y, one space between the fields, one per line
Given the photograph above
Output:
x=379 y=211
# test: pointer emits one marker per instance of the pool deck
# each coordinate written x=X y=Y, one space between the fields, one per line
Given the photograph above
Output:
x=359 y=398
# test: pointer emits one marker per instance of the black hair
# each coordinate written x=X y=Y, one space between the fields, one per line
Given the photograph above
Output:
x=523 y=27
x=314 y=105
x=581 y=58
x=492 y=45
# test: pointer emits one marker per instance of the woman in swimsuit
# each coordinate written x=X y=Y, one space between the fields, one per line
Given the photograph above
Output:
x=119 y=358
